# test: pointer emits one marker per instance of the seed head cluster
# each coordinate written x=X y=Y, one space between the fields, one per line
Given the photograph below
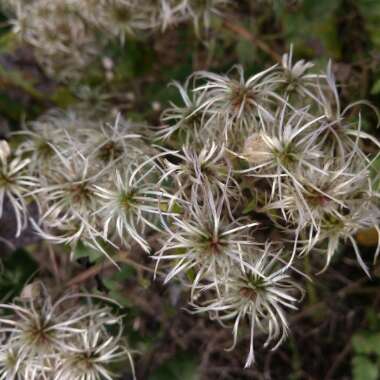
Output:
x=243 y=177
x=67 y=35
x=46 y=339
x=93 y=182
x=287 y=174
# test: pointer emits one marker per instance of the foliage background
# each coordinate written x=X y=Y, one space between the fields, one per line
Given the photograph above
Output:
x=336 y=335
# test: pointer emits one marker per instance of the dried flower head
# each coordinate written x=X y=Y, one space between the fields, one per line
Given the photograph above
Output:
x=259 y=293
x=206 y=239
x=131 y=202
x=15 y=184
x=68 y=35
x=192 y=170
x=249 y=175
x=57 y=339
x=297 y=161
x=184 y=122
x=236 y=104
x=91 y=352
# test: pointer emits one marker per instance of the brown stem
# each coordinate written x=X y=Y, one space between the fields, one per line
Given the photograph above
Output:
x=87 y=274
x=346 y=291
x=246 y=34
x=121 y=257
x=339 y=360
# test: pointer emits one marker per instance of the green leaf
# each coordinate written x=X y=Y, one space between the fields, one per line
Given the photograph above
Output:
x=366 y=343
x=370 y=10
x=181 y=367
x=245 y=51
x=320 y=8
x=82 y=250
x=376 y=88
x=250 y=206
x=16 y=270
x=375 y=170
x=63 y=97
x=17 y=78
x=314 y=21
x=115 y=284
x=364 y=369
x=373 y=318
x=8 y=41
